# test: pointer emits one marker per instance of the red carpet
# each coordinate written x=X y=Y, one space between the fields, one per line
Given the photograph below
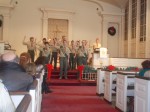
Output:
x=74 y=99
x=71 y=82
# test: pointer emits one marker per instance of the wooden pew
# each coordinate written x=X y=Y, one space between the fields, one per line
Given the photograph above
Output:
x=39 y=78
x=100 y=82
x=34 y=92
x=22 y=101
x=117 y=62
x=109 y=84
x=34 y=95
x=124 y=79
x=142 y=94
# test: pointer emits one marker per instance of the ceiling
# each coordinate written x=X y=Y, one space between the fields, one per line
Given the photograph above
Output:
x=118 y=3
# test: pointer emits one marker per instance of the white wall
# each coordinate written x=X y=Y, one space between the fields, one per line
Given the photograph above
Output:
x=26 y=19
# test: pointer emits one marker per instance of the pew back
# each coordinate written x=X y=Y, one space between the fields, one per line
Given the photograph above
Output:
x=34 y=95
x=100 y=83
x=22 y=101
x=142 y=94
x=123 y=80
x=109 y=79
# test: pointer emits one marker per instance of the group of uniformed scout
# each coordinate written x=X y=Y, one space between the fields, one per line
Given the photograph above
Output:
x=70 y=56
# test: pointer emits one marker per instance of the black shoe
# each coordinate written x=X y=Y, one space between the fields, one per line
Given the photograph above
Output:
x=66 y=77
x=48 y=91
x=114 y=89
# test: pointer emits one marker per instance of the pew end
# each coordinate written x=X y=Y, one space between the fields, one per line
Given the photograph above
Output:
x=22 y=101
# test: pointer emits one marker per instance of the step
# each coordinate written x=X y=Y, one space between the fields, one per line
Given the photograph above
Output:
x=69 y=76
x=69 y=72
x=71 y=82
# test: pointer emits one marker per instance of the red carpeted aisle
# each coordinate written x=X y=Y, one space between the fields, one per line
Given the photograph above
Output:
x=74 y=99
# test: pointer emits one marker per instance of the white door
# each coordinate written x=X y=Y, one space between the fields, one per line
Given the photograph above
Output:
x=113 y=41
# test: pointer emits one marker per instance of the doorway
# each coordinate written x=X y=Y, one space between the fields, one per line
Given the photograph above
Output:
x=113 y=41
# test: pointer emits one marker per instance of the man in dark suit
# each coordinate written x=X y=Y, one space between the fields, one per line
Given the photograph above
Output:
x=13 y=76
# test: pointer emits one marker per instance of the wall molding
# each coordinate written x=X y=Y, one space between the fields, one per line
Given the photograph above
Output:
x=5 y=13
x=56 y=14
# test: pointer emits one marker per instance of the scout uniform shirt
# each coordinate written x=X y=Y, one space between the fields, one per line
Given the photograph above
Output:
x=30 y=46
x=64 y=51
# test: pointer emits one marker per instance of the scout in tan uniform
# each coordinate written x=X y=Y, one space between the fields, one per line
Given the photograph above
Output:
x=54 y=47
x=31 y=46
x=82 y=54
x=72 y=56
x=64 y=60
x=77 y=57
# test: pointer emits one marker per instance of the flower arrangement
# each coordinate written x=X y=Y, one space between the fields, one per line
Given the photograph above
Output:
x=113 y=68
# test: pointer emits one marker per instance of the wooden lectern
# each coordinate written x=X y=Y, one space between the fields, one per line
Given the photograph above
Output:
x=100 y=58
x=103 y=52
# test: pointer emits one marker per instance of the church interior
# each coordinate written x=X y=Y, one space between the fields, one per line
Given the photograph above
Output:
x=109 y=74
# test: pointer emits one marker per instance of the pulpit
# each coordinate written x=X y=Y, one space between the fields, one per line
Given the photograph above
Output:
x=4 y=48
x=100 y=58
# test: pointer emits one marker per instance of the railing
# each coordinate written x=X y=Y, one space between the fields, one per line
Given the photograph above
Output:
x=89 y=76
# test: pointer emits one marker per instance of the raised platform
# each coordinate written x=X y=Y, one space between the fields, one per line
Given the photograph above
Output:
x=71 y=82
x=72 y=74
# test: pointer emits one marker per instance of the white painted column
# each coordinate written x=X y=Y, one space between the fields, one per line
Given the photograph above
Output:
x=45 y=28
x=6 y=21
x=121 y=35
x=104 y=32
x=147 y=30
x=70 y=30
x=101 y=30
x=45 y=24
x=129 y=28
x=5 y=13
x=137 y=28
